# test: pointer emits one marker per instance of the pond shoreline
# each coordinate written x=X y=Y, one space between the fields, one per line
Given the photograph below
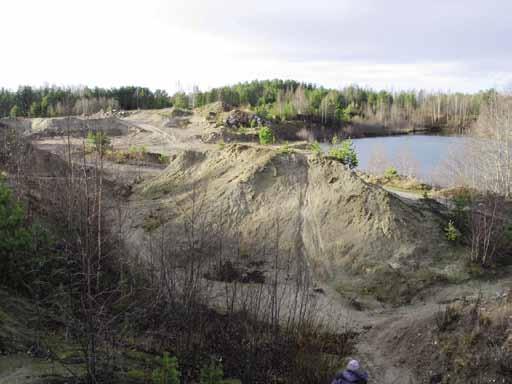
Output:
x=422 y=155
x=363 y=129
x=361 y=133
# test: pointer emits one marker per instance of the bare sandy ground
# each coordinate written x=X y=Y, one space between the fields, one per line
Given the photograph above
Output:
x=379 y=324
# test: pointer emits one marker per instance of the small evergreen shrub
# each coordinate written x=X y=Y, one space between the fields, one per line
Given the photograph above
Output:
x=14 y=112
x=391 y=173
x=344 y=152
x=266 y=136
x=508 y=232
x=451 y=232
x=15 y=238
x=316 y=148
x=211 y=374
x=462 y=200
x=169 y=372
x=98 y=141
x=262 y=111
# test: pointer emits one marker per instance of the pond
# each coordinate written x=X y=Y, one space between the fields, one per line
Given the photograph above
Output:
x=422 y=156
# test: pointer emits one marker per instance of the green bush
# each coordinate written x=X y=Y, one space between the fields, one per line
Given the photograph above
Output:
x=211 y=374
x=15 y=238
x=344 y=152
x=136 y=374
x=151 y=223
x=164 y=159
x=181 y=100
x=391 y=172
x=345 y=114
x=29 y=260
x=508 y=232
x=98 y=141
x=137 y=153
x=266 y=136
x=262 y=111
x=286 y=149
x=451 y=232
x=169 y=372
x=316 y=148
x=461 y=200
x=15 y=112
x=35 y=109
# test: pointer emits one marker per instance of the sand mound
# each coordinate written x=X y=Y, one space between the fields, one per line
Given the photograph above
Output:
x=75 y=125
x=315 y=208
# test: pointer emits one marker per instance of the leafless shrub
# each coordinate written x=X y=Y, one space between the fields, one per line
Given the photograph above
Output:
x=264 y=332
x=447 y=317
x=485 y=161
x=488 y=229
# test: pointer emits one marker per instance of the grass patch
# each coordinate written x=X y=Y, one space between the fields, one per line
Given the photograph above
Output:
x=151 y=223
x=175 y=112
x=398 y=182
x=15 y=334
x=138 y=374
x=393 y=286
x=157 y=190
x=286 y=149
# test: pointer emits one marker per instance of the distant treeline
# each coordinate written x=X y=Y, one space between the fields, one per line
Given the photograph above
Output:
x=60 y=101
x=287 y=99
x=273 y=99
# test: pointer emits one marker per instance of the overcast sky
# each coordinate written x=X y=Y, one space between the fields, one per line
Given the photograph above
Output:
x=458 y=45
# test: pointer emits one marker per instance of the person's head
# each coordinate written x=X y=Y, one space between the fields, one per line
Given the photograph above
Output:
x=353 y=365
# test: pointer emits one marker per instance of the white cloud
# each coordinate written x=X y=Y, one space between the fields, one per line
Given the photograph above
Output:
x=157 y=43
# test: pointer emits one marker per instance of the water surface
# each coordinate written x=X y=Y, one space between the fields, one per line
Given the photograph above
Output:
x=422 y=156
